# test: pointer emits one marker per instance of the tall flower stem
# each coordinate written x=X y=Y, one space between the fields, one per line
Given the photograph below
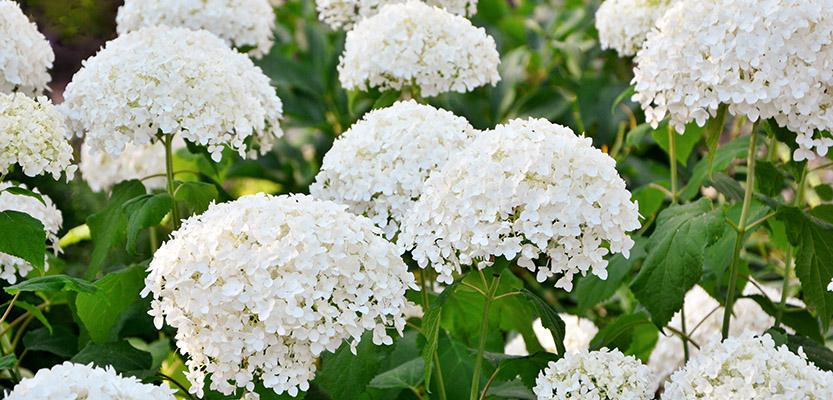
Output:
x=484 y=327
x=741 y=229
x=788 y=262
x=672 y=162
x=169 y=171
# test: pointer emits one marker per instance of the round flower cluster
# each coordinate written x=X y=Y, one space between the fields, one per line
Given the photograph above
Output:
x=25 y=54
x=47 y=214
x=259 y=287
x=527 y=188
x=597 y=375
x=102 y=171
x=416 y=44
x=764 y=59
x=70 y=381
x=240 y=23
x=33 y=134
x=378 y=167
x=578 y=334
x=748 y=367
x=173 y=81
x=345 y=13
x=623 y=25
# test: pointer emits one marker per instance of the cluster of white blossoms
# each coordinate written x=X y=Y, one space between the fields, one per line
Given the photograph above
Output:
x=378 y=167
x=414 y=44
x=240 y=23
x=178 y=82
x=764 y=59
x=578 y=334
x=259 y=287
x=25 y=54
x=596 y=375
x=344 y=13
x=746 y=367
x=70 y=381
x=526 y=188
x=623 y=25
x=102 y=170
x=45 y=212
x=33 y=134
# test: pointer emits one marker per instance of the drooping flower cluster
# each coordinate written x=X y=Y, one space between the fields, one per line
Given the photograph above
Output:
x=378 y=167
x=70 y=381
x=174 y=81
x=527 y=188
x=623 y=25
x=25 y=54
x=771 y=58
x=414 y=44
x=596 y=375
x=746 y=367
x=47 y=214
x=240 y=23
x=33 y=135
x=259 y=287
x=577 y=336
x=344 y=13
x=102 y=171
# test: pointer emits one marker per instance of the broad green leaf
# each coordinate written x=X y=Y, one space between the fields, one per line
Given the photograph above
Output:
x=22 y=236
x=23 y=192
x=107 y=227
x=643 y=340
x=714 y=128
x=719 y=255
x=143 y=212
x=824 y=191
x=431 y=327
x=387 y=98
x=344 y=375
x=723 y=158
x=818 y=354
x=36 y=312
x=787 y=137
x=408 y=375
x=591 y=290
x=549 y=318
x=511 y=390
x=799 y=319
x=727 y=185
x=619 y=333
x=197 y=195
x=122 y=289
x=53 y=283
x=8 y=361
x=675 y=257
x=635 y=136
x=650 y=200
x=768 y=179
x=457 y=361
x=124 y=358
x=61 y=341
x=627 y=93
x=684 y=143
x=527 y=367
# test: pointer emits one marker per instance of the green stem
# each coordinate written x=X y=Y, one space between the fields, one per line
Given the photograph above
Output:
x=11 y=304
x=788 y=262
x=424 y=288
x=153 y=238
x=439 y=377
x=484 y=327
x=169 y=169
x=742 y=227
x=672 y=153
x=684 y=335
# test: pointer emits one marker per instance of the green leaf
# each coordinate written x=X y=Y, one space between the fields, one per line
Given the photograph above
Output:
x=818 y=354
x=143 y=212
x=684 y=143
x=124 y=358
x=24 y=192
x=36 y=312
x=643 y=341
x=457 y=364
x=53 y=283
x=121 y=289
x=23 y=236
x=675 y=257
x=714 y=128
x=431 y=327
x=799 y=319
x=635 y=135
x=784 y=135
x=344 y=375
x=527 y=368
x=723 y=158
x=619 y=333
x=107 y=227
x=622 y=96
x=592 y=290
x=197 y=195
x=511 y=390
x=549 y=318
x=824 y=191
x=650 y=200
x=405 y=376
x=8 y=361
x=768 y=179
x=61 y=342
x=727 y=185
x=387 y=98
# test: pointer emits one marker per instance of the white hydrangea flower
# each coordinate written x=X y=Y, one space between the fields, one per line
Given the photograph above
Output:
x=764 y=58
x=102 y=170
x=623 y=25
x=596 y=375
x=259 y=287
x=33 y=134
x=414 y=44
x=176 y=81
x=527 y=188
x=240 y=23
x=378 y=167
x=70 y=381
x=344 y=13
x=577 y=336
x=25 y=54
x=746 y=367
x=47 y=214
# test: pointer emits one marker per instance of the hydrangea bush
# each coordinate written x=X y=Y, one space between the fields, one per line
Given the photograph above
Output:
x=25 y=54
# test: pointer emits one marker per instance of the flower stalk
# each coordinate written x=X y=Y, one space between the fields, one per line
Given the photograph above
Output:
x=484 y=327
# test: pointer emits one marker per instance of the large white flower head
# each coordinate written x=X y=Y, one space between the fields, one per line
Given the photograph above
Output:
x=33 y=134
x=70 y=381
x=174 y=81
x=102 y=170
x=259 y=287
x=763 y=58
x=45 y=212
x=578 y=334
x=527 y=188
x=344 y=13
x=378 y=167
x=240 y=23
x=596 y=375
x=623 y=25
x=25 y=54
x=414 y=44
x=746 y=367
